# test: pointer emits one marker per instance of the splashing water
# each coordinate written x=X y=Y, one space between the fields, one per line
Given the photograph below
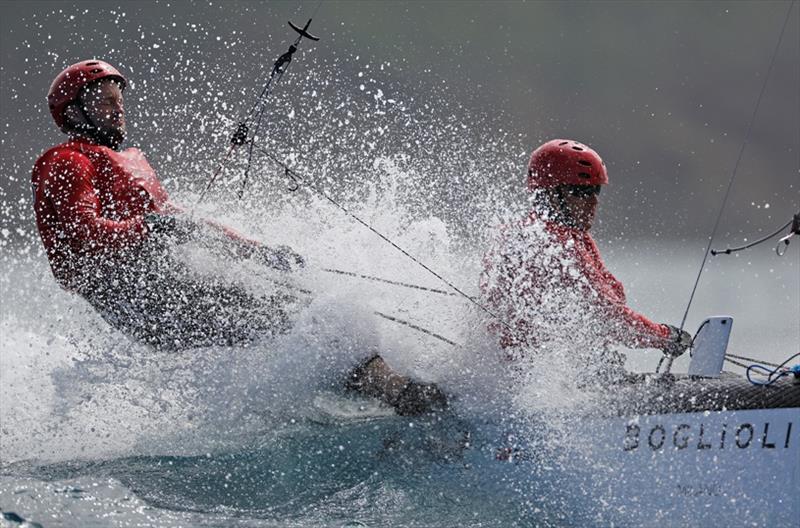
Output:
x=89 y=396
x=121 y=435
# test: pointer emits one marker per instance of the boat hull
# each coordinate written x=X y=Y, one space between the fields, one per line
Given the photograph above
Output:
x=710 y=452
x=721 y=468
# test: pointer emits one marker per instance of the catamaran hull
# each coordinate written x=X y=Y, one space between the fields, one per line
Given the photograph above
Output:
x=722 y=468
x=679 y=451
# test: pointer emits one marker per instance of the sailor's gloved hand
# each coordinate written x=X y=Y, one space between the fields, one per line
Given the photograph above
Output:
x=281 y=258
x=678 y=341
x=180 y=229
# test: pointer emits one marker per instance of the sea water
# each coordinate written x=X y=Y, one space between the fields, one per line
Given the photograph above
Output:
x=99 y=431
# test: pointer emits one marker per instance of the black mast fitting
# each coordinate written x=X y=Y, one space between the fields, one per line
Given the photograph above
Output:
x=304 y=30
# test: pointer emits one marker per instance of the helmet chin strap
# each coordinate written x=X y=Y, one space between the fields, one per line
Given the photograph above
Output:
x=561 y=213
x=560 y=210
x=107 y=138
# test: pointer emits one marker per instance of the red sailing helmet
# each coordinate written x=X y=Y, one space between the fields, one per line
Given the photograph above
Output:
x=68 y=84
x=565 y=162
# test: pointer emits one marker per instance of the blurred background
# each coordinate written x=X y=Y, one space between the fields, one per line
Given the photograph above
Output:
x=663 y=90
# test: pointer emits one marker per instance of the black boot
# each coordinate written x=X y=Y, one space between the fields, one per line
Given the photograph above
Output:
x=376 y=379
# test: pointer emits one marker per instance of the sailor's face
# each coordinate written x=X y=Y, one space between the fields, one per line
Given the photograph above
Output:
x=103 y=104
x=580 y=204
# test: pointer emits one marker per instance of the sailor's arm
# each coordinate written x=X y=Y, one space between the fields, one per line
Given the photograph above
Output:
x=624 y=325
x=239 y=241
x=634 y=330
x=281 y=257
x=68 y=184
x=177 y=224
x=243 y=244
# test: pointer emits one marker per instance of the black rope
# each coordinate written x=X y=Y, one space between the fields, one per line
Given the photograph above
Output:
x=282 y=63
x=216 y=174
x=738 y=160
x=278 y=69
x=387 y=281
x=736 y=362
x=417 y=328
x=728 y=251
x=743 y=358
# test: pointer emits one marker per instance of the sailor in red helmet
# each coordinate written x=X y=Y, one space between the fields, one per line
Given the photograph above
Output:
x=544 y=275
x=107 y=225
x=105 y=221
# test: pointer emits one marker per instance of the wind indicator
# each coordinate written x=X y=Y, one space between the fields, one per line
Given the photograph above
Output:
x=304 y=31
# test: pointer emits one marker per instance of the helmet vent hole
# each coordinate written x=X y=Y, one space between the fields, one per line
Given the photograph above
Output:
x=585 y=163
x=584 y=175
x=576 y=148
x=92 y=63
x=96 y=70
x=563 y=143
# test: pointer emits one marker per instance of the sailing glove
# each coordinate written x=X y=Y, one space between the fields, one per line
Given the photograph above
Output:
x=281 y=258
x=179 y=229
x=678 y=341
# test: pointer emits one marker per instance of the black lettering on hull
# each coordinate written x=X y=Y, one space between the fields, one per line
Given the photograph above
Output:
x=764 y=443
x=700 y=443
x=788 y=435
x=662 y=436
x=744 y=427
x=631 y=437
x=681 y=437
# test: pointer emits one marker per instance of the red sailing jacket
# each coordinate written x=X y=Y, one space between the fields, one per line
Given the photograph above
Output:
x=535 y=261
x=90 y=201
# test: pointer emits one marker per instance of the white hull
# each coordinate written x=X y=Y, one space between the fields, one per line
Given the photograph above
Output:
x=670 y=468
x=725 y=468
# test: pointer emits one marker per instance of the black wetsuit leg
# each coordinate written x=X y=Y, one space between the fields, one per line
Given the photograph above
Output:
x=160 y=302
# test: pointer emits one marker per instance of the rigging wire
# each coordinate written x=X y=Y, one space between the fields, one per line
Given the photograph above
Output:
x=278 y=69
x=743 y=358
x=737 y=363
x=417 y=328
x=794 y=223
x=301 y=180
x=240 y=136
x=387 y=281
x=738 y=161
